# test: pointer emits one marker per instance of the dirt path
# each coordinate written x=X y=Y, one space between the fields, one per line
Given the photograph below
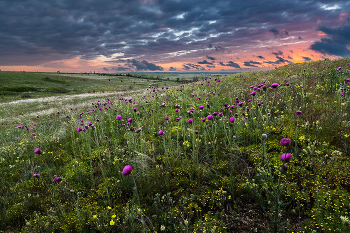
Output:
x=69 y=97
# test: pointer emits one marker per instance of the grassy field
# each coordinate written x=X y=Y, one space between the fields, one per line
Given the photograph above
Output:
x=264 y=151
x=24 y=85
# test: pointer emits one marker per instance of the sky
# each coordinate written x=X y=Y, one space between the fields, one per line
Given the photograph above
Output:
x=115 y=36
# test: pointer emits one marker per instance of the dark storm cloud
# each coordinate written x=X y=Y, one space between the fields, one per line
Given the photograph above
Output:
x=230 y=63
x=105 y=69
x=336 y=44
x=211 y=58
x=300 y=38
x=261 y=57
x=279 y=61
x=144 y=65
x=120 y=68
x=172 y=69
x=307 y=59
x=251 y=63
x=36 y=32
x=205 y=62
x=277 y=53
x=190 y=66
x=281 y=32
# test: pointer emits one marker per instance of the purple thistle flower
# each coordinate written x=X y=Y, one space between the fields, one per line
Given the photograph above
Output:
x=34 y=134
x=203 y=119
x=298 y=112
x=285 y=141
x=119 y=117
x=37 y=151
x=285 y=158
x=196 y=131
x=274 y=85
x=190 y=121
x=79 y=129
x=209 y=117
x=58 y=179
x=36 y=175
x=253 y=93
x=160 y=132
x=19 y=127
x=232 y=120
x=127 y=170
x=166 y=118
x=130 y=120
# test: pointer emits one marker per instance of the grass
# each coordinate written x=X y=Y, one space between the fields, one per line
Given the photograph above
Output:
x=215 y=174
x=24 y=85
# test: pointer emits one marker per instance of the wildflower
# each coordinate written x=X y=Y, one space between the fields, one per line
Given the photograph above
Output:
x=36 y=175
x=19 y=127
x=203 y=120
x=190 y=121
x=263 y=136
x=209 y=117
x=285 y=158
x=298 y=112
x=253 y=93
x=79 y=129
x=285 y=141
x=127 y=170
x=196 y=131
x=130 y=120
x=37 y=151
x=274 y=85
x=33 y=134
x=119 y=117
x=111 y=222
x=232 y=120
x=162 y=228
x=201 y=107
x=166 y=118
x=57 y=178
x=160 y=132
x=339 y=68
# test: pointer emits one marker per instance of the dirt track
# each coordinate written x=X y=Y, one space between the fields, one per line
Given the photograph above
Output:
x=67 y=97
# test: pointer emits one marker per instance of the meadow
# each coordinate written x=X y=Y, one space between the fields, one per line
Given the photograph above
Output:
x=263 y=151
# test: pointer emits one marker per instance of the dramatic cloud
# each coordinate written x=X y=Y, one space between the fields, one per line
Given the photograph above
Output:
x=230 y=63
x=282 y=32
x=211 y=58
x=146 y=33
x=144 y=65
x=172 y=69
x=251 y=63
x=337 y=44
x=279 y=61
x=307 y=59
x=105 y=69
x=120 y=68
x=190 y=66
x=205 y=62
x=278 y=53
